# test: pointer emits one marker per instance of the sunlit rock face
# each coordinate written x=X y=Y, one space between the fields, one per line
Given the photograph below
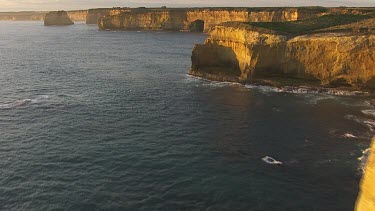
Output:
x=366 y=199
x=172 y=20
x=77 y=15
x=181 y=19
x=59 y=18
x=331 y=58
x=93 y=15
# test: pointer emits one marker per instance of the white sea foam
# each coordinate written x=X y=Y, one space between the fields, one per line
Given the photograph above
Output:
x=363 y=160
x=354 y=118
x=209 y=83
x=15 y=103
x=369 y=112
x=370 y=124
x=306 y=90
x=370 y=103
x=288 y=89
x=349 y=135
x=271 y=161
x=23 y=102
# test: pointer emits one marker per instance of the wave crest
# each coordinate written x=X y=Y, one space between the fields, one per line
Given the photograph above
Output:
x=23 y=102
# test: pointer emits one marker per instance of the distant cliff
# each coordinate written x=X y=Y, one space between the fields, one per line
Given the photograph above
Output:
x=93 y=15
x=22 y=16
x=182 y=19
x=247 y=52
x=75 y=15
x=366 y=199
x=58 y=18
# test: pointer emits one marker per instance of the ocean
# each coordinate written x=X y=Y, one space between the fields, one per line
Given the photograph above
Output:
x=111 y=120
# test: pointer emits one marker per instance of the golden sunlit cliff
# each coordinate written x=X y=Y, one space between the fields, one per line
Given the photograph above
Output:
x=244 y=52
x=182 y=19
x=366 y=199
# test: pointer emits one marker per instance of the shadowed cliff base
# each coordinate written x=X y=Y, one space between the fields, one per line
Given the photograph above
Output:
x=326 y=51
x=197 y=26
x=217 y=60
x=59 y=18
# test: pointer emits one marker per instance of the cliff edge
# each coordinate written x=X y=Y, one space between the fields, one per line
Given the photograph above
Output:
x=196 y=19
x=317 y=50
x=58 y=18
x=366 y=199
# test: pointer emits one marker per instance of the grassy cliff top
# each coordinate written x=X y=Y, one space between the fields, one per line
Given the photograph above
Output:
x=325 y=23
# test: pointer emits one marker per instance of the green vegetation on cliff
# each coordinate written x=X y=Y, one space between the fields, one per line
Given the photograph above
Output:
x=325 y=23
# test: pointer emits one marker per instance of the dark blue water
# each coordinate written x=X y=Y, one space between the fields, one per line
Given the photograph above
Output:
x=103 y=120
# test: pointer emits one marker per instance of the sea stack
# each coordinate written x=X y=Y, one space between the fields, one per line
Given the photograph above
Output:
x=57 y=18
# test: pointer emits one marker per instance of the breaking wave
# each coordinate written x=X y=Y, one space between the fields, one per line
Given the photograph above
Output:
x=349 y=135
x=369 y=112
x=23 y=102
x=306 y=90
x=271 y=161
x=285 y=89
x=363 y=160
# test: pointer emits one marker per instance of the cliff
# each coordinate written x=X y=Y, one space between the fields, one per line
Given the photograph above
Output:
x=182 y=19
x=247 y=52
x=59 y=18
x=172 y=20
x=77 y=15
x=366 y=199
x=93 y=15
x=22 y=16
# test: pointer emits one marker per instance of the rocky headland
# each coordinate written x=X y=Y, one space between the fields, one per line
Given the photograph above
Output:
x=335 y=50
x=59 y=18
x=366 y=199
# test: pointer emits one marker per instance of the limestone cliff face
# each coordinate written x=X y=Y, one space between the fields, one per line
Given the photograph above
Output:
x=214 y=17
x=77 y=15
x=59 y=18
x=93 y=15
x=366 y=199
x=274 y=16
x=182 y=19
x=160 y=20
x=331 y=58
x=22 y=16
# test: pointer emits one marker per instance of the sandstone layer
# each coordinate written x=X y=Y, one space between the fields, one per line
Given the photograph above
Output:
x=366 y=199
x=243 y=53
x=59 y=18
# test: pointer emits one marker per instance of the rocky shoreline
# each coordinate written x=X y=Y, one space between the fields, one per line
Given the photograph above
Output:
x=239 y=52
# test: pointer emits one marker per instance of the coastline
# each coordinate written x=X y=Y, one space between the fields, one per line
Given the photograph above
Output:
x=297 y=85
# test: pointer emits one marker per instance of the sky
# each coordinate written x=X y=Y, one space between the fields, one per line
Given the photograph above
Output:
x=38 y=5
